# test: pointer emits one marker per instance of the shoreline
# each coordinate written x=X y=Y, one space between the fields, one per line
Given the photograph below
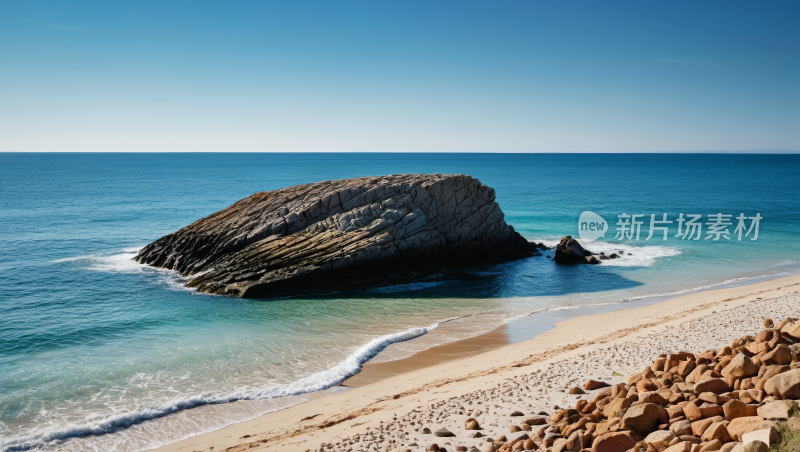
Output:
x=394 y=386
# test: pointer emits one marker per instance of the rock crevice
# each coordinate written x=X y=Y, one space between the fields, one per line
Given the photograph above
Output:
x=337 y=234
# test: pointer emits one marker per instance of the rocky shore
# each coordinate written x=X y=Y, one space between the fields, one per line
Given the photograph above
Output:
x=731 y=400
x=340 y=234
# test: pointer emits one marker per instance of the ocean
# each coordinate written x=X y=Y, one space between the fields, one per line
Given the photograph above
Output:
x=100 y=353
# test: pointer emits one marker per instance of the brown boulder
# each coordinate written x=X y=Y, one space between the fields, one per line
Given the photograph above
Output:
x=785 y=385
x=535 y=421
x=645 y=385
x=742 y=425
x=728 y=447
x=734 y=409
x=710 y=446
x=615 y=407
x=683 y=446
x=591 y=385
x=615 y=442
x=699 y=427
x=717 y=430
x=644 y=418
x=652 y=397
x=681 y=428
x=782 y=355
x=741 y=366
x=710 y=410
x=715 y=385
x=692 y=412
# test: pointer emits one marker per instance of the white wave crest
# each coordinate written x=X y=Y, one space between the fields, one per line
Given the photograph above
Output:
x=99 y=425
x=121 y=261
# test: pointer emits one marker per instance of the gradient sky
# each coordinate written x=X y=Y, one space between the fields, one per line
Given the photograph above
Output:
x=493 y=76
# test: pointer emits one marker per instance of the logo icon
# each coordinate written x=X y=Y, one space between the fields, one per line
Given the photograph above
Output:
x=591 y=226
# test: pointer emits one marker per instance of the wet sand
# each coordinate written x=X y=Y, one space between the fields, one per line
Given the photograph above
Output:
x=439 y=354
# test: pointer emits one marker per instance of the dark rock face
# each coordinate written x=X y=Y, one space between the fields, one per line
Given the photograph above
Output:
x=338 y=234
x=569 y=251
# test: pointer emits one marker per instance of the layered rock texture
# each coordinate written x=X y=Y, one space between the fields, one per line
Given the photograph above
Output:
x=340 y=234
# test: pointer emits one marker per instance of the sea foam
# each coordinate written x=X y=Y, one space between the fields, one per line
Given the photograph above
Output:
x=99 y=425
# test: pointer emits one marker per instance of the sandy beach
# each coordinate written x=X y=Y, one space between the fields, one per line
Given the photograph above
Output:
x=487 y=379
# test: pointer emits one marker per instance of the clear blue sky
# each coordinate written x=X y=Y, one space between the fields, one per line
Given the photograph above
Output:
x=493 y=76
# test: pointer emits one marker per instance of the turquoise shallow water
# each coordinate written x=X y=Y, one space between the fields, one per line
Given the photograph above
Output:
x=96 y=351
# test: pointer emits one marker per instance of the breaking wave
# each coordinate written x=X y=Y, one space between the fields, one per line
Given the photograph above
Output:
x=99 y=425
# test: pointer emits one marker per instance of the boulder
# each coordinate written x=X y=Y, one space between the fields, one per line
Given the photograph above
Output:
x=615 y=407
x=710 y=410
x=778 y=410
x=742 y=425
x=569 y=251
x=659 y=435
x=768 y=436
x=591 y=385
x=709 y=446
x=335 y=235
x=792 y=328
x=681 y=428
x=699 y=427
x=782 y=355
x=644 y=418
x=715 y=385
x=683 y=446
x=785 y=385
x=741 y=366
x=728 y=447
x=615 y=442
x=717 y=430
x=734 y=409
x=753 y=446
x=692 y=412
x=652 y=397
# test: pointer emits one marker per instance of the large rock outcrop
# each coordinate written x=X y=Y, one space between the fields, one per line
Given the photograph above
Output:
x=340 y=234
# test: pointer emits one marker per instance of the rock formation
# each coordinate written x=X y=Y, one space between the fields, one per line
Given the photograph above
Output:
x=337 y=234
x=569 y=251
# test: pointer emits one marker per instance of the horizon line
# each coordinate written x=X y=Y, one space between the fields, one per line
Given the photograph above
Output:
x=721 y=151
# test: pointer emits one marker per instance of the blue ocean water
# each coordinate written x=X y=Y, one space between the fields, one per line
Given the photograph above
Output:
x=100 y=353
